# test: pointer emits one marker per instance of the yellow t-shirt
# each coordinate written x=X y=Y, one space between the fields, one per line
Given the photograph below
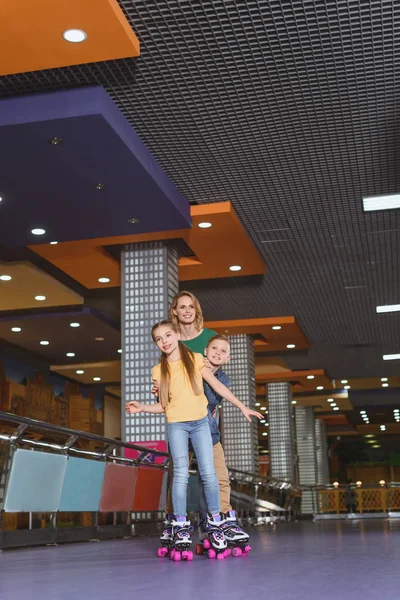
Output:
x=183 y=404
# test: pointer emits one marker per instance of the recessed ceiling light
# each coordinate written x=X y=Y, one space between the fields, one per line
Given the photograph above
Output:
x=44 y=343
x=38 y=231
x=344 y=381
x=383 y=427
x=391 y=357
x=346 y=387
x=263 y=408
x=80 y=372
x=53 y=243
x=99 y=339
x=74 y=324
x=120 y=351
x=376 y=446
x=235 y=268
x=257 y=403
x=1 y=199
x=276 y=327
x=310 y=376
x=290 y=346
x=385 y=385
x=382 y=202
x=5 y=277
x=205 y=225
x=335 y=408
x=294 y=401
x=320 y=387
x=363 y=412
x=75 y=36
x=384 y=378
x=40 y=298
x=104 y=280
x=330 y=400
x=265 y=433
x=388 y=308
x=96 y=378
x=16 y=329
x=262 y=421
x=70 y=354
x=333 y=404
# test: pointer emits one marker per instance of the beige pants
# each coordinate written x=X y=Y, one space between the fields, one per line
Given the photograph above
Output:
x=222 y=475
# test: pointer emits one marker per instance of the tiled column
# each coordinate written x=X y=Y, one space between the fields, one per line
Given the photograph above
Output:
x=281 y=432
x=149 y=281
x=322 y=452
x=239 y=437
x=306 y=450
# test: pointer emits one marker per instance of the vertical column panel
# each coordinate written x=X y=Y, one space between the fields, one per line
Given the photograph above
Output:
x=322 y=452
x=149 y=281
x=306 y=450
x=281 y=431
x=240 y=438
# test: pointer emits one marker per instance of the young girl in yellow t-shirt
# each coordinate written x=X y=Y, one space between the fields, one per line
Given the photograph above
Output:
x=181 y=396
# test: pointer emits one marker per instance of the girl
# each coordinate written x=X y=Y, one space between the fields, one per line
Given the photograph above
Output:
x=181 y=397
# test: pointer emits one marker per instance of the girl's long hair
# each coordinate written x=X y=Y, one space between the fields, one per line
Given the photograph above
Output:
x=187 y=358
x=198 y=318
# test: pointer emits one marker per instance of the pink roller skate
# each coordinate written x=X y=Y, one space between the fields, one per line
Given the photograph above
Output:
x=212 y=538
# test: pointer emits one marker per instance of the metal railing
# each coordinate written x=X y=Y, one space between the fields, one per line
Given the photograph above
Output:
x=366 y=499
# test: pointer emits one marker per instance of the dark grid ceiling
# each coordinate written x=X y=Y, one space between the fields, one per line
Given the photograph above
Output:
x=287 y=109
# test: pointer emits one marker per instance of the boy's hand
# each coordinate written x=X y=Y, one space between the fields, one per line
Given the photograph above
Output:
x=156 y=388
x=132 y=408
x=247 y=413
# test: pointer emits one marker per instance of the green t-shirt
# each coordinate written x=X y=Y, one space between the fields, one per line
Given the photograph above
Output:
x=200 y=343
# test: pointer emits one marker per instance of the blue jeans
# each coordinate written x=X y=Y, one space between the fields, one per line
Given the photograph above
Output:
x=198 y=432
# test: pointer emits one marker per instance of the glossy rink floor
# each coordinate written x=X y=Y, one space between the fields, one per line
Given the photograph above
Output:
x=324 y=561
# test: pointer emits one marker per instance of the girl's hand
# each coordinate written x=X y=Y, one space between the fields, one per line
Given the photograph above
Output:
x=156 y=388
x=247 y=412
x=132 y=408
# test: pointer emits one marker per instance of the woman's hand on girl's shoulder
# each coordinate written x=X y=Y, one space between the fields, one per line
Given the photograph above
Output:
x=133 y=407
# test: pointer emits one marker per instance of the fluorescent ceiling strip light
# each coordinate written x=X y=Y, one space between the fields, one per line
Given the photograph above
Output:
x=382 y=202
x=388 y=308
x=391 y=357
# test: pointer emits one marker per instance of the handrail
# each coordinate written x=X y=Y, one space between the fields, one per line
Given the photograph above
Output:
x=24 y=423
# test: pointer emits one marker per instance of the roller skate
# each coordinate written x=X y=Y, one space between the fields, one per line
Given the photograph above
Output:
x=236 y=538
x=166 y=538
x=181 y=540
x=212 y=539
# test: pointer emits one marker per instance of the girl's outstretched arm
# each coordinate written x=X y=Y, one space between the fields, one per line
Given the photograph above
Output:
x=223 y=391
x=134 y=408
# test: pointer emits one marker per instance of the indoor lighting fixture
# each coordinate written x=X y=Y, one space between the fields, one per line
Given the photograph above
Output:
x=320 y=387
x=384 y=378
x=235 y=268
x=310 y=376
x=16 y=329
x=383 y=427
x=363 y=412
x=53 y=243
x=333 y=404
x=382 y=202
x=101 y=186
x=294 y=401
x=80 y=372
x=120 y=352
x=96 y=378
x=290 y=346
x=205 y=225
x=391 y=357
x=40 y=298
x=75 y=36
x=38 y=231
x=385 y=385
x=344 y=381
x=358 y=483
x=133 y=220
x=5 y=277
x=263 y=421
x=104 y=280
x=258 y=404
x=369 y=435
x=265 y=433
x=263 y=408
x=44 y=343
x=330 y=400
x=74 y=324
x=382 y=482
x=276 y=327
x=388 y=308
x=346 y=387
x=1 y=199
x=335 y=484
x=70 y=354
x=335 y=408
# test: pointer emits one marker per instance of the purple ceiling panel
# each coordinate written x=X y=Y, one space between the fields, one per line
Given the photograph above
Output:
x=53 y=186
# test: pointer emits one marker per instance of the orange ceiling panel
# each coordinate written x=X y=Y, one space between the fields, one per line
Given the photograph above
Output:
x=215 y=249
x=31 y=34
x=273 y=340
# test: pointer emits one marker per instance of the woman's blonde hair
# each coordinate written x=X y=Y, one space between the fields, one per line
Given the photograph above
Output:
x=187 y=358
x=198 y=318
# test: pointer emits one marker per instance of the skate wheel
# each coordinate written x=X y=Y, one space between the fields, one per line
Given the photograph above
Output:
x=211 y=553
x=171 y=554
x=226 y=553
x=237 y=552
x=189 y=555
x=206 y=544
x=247 y=548
x=199 y=549
x=177 y=556
x=221 y=556
x=162 y=552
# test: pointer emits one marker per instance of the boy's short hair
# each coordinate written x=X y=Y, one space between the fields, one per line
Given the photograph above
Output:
x=219 y=336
